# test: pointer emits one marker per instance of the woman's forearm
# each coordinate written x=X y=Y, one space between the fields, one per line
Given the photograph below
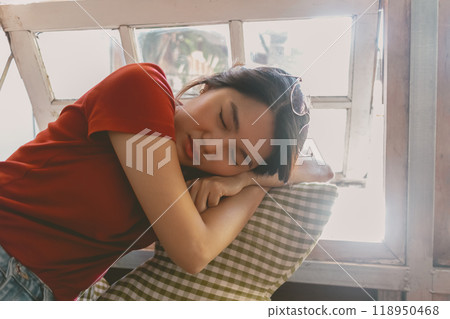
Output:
x=225 y=221
x=222 y=223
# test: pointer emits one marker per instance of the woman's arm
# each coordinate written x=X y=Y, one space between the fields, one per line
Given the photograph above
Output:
x=208 y=191
x=191 y=240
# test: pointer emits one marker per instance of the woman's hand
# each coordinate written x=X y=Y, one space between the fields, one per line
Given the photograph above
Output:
x=206 y=192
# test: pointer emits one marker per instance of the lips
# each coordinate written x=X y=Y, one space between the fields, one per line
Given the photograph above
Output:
x=188 y=148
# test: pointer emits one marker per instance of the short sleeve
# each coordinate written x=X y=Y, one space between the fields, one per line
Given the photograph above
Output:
x=131 y=99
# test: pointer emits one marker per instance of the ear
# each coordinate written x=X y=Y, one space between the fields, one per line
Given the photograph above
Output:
x=204 y=89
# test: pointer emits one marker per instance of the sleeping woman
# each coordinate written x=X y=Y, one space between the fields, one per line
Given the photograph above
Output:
x=73 y=200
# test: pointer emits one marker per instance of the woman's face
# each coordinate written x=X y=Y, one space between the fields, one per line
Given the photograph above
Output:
x=224 y=116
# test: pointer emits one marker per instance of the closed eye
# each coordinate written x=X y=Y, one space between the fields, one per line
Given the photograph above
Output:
x=221 y=119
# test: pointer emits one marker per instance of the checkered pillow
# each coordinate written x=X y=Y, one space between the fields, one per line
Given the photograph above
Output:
x=268 y=250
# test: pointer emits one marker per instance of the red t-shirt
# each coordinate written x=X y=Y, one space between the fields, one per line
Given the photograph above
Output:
x=67 y=210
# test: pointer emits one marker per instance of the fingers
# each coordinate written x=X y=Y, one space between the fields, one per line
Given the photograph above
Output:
x=214 y=199
x=201 y=200
x=197 y=195
x=205 y=193
x=206 y=196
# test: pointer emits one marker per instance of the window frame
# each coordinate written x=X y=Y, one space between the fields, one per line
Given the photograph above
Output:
x=47 y=108
x=376 y=265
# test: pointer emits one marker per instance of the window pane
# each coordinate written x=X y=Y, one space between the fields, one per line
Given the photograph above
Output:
x=185 y=53
x=302 y=47
x=16 y=116
x=358 y=215
x=327 y=131
x=77 y=60
x=359 y=212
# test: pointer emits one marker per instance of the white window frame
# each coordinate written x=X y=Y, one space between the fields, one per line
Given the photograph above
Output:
x=374 y=265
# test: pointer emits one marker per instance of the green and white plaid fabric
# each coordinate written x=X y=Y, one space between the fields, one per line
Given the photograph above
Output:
x=94 y=291
x=263 y=256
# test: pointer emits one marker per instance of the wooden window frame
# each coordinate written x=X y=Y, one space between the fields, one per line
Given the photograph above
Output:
x=387 y=265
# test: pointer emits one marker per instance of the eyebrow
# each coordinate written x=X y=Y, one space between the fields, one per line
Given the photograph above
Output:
x=235 y=116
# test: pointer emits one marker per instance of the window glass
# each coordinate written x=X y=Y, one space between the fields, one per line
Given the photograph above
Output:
x=16 y=116
x=308 y=48
x=327 y=131
x=75 y=61
x=185 y=53
x=359 y=212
